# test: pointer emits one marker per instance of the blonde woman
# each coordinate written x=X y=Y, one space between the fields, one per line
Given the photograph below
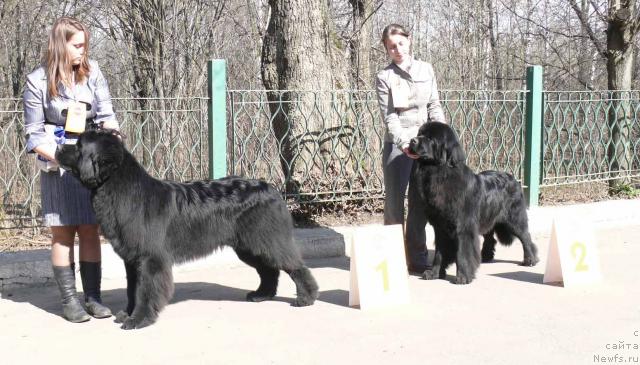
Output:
x=408 y=97
x=62 y=97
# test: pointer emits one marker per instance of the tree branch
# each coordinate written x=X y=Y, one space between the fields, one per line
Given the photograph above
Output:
x=352 y=35
x=537 y=24
x=585 y=23
x=635 y=27
x=602 y=16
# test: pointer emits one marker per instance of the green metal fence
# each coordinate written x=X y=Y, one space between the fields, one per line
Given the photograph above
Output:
x=167 y=135
x=335 y=144
x=19 y=181
x=577 y=137
x=320 y=146
x=339 y=137
x=490 y=125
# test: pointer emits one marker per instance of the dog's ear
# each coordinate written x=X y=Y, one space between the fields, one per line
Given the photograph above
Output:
x=86 y=171
x=109 y=159
x=67 y=157
x=439 y=151
x=100 y=155
x=454 y=154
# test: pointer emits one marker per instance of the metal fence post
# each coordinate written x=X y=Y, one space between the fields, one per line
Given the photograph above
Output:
x=533 y=137
x=217 y=116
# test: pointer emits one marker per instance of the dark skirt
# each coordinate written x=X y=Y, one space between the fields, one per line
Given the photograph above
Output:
x=65 y=201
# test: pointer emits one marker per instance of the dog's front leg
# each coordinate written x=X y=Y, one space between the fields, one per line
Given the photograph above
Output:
x=132 y=281
x=153 y=290
x=468 y=256
x=437 y=270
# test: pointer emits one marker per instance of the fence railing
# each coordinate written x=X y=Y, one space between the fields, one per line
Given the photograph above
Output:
x=321 y=146
x=167 y=135
x=338 y=138
x=332 y=153
x=578 y=130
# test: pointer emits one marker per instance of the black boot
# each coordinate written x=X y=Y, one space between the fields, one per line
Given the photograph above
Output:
x=91 y=274
x=72 y=309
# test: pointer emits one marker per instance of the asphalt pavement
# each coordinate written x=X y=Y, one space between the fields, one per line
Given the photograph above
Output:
x=506 y=316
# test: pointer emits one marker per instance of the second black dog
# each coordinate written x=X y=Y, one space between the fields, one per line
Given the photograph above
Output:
x=462 y=205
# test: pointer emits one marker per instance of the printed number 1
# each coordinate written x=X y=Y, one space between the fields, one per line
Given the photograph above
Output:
x=582 y=252
x=385 y=274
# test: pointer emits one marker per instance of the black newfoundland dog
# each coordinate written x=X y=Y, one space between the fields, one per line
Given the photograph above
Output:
x=153 y=224
x=462 y=205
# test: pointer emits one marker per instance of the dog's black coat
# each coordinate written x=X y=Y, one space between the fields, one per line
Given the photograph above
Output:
x=153 y=224
x=462 y=205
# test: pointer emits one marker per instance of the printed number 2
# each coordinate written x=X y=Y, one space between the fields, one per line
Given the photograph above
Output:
x=580 y=250
x=385 y=274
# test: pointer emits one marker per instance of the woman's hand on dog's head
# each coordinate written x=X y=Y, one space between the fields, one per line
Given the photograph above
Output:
x=114 y=127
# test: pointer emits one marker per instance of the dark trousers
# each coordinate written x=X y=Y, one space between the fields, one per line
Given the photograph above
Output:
x=397 y=170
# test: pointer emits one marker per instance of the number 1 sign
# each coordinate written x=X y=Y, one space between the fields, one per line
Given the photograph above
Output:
x=378 y=269
x=573 y=255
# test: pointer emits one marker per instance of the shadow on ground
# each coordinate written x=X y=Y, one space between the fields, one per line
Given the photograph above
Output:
x=497 y=261
x=47 y=298
x=524 y=276
x=339 y=262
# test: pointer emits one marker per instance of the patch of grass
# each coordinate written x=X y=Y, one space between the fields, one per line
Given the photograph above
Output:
x=626 y=190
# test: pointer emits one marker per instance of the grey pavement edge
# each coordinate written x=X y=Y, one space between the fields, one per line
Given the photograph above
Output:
x=32 y=268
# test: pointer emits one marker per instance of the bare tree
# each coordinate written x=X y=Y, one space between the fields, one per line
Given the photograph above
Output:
x=145 y=21
x=165 y=46
x=493 y=27
x=585 y=58
x=623 y=24
x=300 y=58
x=360 y=42
x=24 y=26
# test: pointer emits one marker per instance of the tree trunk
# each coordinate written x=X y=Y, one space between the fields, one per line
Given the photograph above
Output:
x=147 y=27
x=620 y=33
x=495 y=45
x=300 y=64
x=22 y=23
x=360 y=43
x=622 y=26
x=585 y=59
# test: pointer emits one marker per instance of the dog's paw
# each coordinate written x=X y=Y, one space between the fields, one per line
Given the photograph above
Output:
x=129 y=324
x=134 y=323
x=303 y=301
x=254 y=296
x=530 y=261
x=430 y=275
x=463 y=280
x=121 y=316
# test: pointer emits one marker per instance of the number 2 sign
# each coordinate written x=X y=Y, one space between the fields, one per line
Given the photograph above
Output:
x=378 y=269
x=573 y=255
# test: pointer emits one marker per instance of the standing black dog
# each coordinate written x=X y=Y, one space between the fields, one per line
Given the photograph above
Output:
x=153 y=224
x=462 y=205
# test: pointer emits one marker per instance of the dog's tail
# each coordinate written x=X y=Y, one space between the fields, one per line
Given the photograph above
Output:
x=504 y=234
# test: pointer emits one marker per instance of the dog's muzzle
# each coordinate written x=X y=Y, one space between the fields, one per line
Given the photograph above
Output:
x=413 y=143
